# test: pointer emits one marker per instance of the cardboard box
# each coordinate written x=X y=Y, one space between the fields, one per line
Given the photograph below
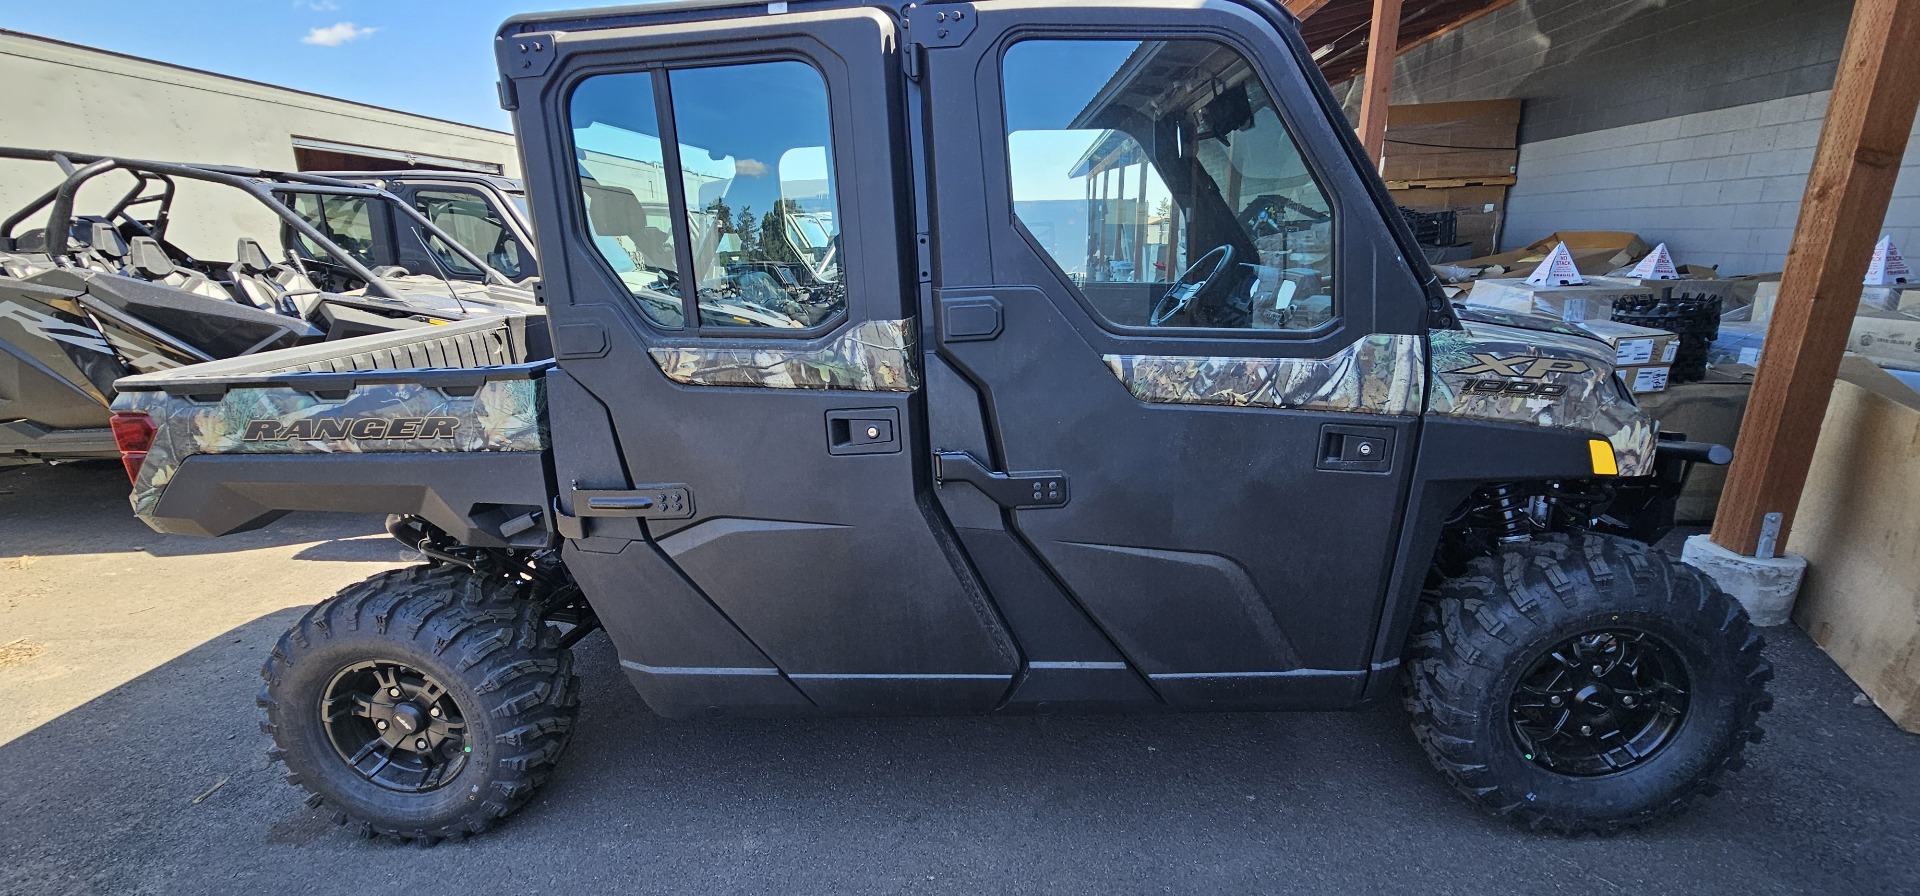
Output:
x=1706 y=411
x=1860 y=532
x=1573 y=304
x=1646 y=378
x=1595 y=252
x=1739 y=342
x=1889 y=338
x=1633 y=344
x=1478 y=214
x=1724 y=290
x=1451 y=141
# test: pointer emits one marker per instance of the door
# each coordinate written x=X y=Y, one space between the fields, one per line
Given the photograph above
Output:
x=730 y=287
x=1161 y=279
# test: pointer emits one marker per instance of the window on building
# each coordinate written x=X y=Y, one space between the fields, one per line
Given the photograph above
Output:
x=1159 y=177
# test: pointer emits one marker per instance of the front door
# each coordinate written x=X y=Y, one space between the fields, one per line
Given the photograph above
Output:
x=1168 y=302
x=732 y=290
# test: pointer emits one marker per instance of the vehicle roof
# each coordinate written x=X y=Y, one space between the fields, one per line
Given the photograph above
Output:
x=642 y=13
x=509 y=184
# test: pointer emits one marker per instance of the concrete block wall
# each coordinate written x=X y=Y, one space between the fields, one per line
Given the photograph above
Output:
x=1720 y=187
x=1692 y=122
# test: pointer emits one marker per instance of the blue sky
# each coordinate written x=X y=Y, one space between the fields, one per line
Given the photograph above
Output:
x=433 y=57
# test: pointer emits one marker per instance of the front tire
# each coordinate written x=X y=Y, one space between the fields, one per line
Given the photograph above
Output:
x=423 y=703
x=1584 y=683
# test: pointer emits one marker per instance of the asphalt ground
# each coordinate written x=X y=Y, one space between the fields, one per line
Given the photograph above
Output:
x=130 y=762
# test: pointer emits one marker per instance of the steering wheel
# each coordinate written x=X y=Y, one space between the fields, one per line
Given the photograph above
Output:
x=1186 y=289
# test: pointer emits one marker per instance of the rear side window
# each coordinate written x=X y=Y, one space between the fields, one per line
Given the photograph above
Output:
x=751 y=163
x=1159 y=177
x=467 y=217
x=345 y=220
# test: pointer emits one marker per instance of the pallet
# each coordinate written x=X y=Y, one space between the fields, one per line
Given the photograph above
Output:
x=1452 y=182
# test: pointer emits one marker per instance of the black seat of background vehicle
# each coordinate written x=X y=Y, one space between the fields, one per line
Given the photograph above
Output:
x=147 y=260
x=274 y=287
x=99 y=246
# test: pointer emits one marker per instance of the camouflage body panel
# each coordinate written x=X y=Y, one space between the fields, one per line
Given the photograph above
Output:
x=502 y=415
x=1525 y=363
x=1380 y=374
x=876 y=356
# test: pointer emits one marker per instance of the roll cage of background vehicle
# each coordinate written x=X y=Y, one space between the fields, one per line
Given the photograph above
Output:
x=269 y=187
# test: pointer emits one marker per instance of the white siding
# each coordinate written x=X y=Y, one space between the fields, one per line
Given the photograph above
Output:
x=1720 y=187
x=61 y=96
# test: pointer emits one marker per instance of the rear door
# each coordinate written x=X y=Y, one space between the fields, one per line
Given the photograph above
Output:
x=763 y=387
x=1161 y=283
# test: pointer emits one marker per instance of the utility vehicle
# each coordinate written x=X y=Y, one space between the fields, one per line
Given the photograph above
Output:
x=1120 y=386
x=123 y=294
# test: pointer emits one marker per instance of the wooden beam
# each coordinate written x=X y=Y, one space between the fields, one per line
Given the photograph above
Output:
x=1383 y=46
x=1456 y=25
x=1865 y=138
x=1301 y=9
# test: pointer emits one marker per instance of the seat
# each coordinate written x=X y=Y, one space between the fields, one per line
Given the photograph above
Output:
x=617 y=212
x=274 y=287
x=98 y=245
x=146 y=260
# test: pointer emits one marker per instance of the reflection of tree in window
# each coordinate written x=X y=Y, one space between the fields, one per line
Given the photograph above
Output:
x=1132 y=160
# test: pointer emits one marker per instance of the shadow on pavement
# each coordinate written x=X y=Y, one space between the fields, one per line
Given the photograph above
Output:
x=101 y=800
x=81 y=508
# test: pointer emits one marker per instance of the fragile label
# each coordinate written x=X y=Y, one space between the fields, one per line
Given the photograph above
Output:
x=1673 y=348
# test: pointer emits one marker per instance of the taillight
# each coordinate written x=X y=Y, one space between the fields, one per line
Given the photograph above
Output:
x=133 y=434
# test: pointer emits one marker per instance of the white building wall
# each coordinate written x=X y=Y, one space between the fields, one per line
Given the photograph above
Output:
x=1720 y=187
x=67 y=97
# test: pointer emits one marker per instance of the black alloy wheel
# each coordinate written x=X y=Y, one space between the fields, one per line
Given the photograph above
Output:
x=1599 y=703
x=395 y=726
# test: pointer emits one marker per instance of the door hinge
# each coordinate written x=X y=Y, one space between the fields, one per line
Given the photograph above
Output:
x=1043 y=488
x=939 y=24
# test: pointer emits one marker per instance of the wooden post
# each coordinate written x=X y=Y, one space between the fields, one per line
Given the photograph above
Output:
x=1861 y=147
x=1383 y=46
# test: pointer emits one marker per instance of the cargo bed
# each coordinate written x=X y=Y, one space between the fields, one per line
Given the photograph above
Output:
x=348 y=425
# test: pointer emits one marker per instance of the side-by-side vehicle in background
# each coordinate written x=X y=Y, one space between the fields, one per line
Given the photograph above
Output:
x=995 y=357
x=117 y=294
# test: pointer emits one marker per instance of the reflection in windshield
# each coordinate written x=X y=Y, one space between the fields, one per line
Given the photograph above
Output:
x=1139 y=165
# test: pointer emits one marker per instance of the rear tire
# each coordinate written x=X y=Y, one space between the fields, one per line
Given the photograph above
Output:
x=1522 y=675
x=423 y=703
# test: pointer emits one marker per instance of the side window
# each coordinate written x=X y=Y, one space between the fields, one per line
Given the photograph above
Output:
x=622 y=168
x=755 y=163
x=1159 y=177
x=466 y=216
x=345 y=220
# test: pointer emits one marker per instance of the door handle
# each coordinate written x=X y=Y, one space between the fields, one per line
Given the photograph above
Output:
x=863 y=431
x=1046 y=488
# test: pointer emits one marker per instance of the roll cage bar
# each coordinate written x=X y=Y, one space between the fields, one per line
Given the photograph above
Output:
x=261 y=184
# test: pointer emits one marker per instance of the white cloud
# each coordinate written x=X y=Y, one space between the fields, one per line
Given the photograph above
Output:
x=318 y=5
x=750 y=168
x=336 y=34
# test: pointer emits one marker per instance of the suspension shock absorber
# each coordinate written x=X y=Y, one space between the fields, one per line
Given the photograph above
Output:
x=1503 y=511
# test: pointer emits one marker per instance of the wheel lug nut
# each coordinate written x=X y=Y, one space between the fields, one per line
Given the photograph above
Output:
x=1556 y=700
x=1596 y=671
x=420 y=743
x=395 y=692
x=381 y=724
x=435 y=712
x=1586 y=730
x=1626 y=701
